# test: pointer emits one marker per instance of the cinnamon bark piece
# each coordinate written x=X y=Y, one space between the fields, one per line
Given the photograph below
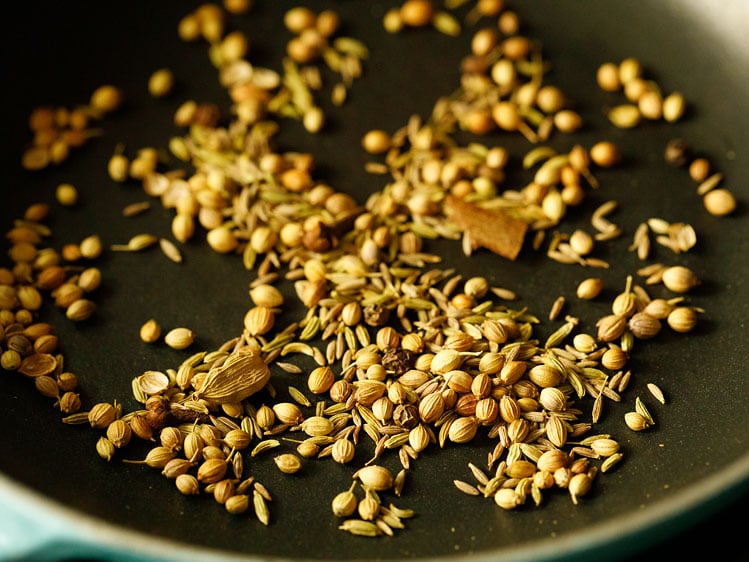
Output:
x=492 y=229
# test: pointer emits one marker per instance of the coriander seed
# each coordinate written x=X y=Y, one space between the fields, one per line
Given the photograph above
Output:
x=719 y=202
x=66 y=194
x=161 y=83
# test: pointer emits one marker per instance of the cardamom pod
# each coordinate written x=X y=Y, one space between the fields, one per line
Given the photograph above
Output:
x=240 y=376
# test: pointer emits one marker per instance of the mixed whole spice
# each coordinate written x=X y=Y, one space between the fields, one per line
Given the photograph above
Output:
x=407 y=355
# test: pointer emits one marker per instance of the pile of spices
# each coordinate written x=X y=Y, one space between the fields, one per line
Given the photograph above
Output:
x=407 y=355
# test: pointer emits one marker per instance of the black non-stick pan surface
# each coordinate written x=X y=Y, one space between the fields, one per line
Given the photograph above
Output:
x=59 y=500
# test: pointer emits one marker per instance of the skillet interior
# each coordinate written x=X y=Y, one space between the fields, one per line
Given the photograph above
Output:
x=691 y=462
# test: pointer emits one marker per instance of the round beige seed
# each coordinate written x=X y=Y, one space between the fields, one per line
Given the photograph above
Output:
x=679 y=279
x=344 y=503
x=237 y=504
x=682 y=319
x=106 y=98
x=507 y=498
x=579 y=485
x=607 y=77
x=674 y=106
x=221 y=240
x=416 y=13
x=625 y=116
x=179 y=338
x=320 y=379
x=376 y=141
x=80 y=310
x=581 y=242
x=343 y=451
x=161 y=83
x=699 y=169
x=288 y=463
x=636 y=421
x=719 y=202
x=267 y=296
x=187 y=484
x=150 y=331
x=376 y=477
x=589 y=288
x=66 y=194
x=605 y=154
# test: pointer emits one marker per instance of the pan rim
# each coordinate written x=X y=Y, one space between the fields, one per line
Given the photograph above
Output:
x=662 y=520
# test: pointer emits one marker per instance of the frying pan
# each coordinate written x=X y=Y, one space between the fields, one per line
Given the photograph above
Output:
x=60 y=501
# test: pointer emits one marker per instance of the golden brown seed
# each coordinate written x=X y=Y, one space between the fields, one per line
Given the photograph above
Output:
x=237 y=6
x=624 y=116
x=298 y=19
x=507 y=498
x=699 y=169
x=307 y=449
x=545 y=376
x=47 y=386
x=187 y=484
x=607 y=77
x=288 y=412
x=91 y=247
x=614 y=358
x=101 y=415
x=579 y=485
x=568 y=121
x=463 y=429
x=183 y=226
x=344 y=503
x=288 y=463
x=66 y=194
x=483 y=41
x=179 y=338
x=90 y=279
x=636 y=421
x=605 y=154
x=643 y=326
x=629 y=69
x=238 y=439
x=719 y=202
x=150 y=331
x=258 y=320
x=106 y=98
x=119 y=433
x=67 y=381
x=553 y=399
x=212 y=470
x=605 y=446
x=221 y=240
x=70 y=402
x=105 y=448
x=161 y=83
x=611 y=327
x=343 y=451
x=679 y=279
x=375 y=477
x=392 y=21
x=376 y=141
x=552 y=460
x=674 y=107
x=266 y=295
x=589 y=288
x=237 y=504
x=581 y=242
x=416 y=13
x=682 y=319
x=80 y=310
x=320 y=379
